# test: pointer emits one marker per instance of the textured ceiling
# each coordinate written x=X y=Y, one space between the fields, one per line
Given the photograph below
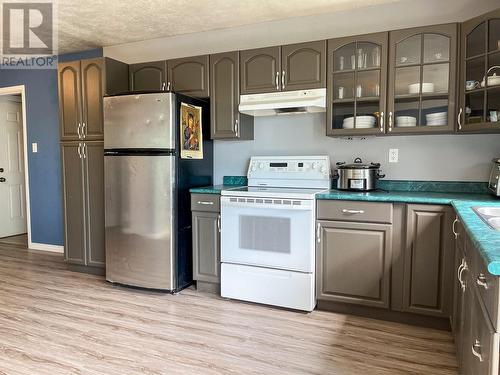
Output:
x=96 y=23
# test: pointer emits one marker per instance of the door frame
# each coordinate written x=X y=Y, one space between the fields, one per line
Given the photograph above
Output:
x=20 y=90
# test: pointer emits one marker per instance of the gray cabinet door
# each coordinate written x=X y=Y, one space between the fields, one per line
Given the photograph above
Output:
x=428 y=260
x=353 y=263
x=460 y=286
x=303 y=66
x=149 y=76
x=115 y=77
x=206 y=246
x=357 y=85
x=422 y=80
x=73 y=185
x=93 y=154
x=69 y=100
x=92 y=86
x=479 y=108
x=260 y=70
x=189 y=76
x=226 y=121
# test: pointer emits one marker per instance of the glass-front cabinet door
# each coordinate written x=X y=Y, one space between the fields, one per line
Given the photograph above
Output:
x=422 y=75
x=357 y=75
x=480 y=74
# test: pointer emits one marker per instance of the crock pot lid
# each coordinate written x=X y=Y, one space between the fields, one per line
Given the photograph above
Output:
x=358 y=164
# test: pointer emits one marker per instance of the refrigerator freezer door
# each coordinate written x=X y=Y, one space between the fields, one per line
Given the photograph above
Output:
x=139 y=220
x=142 y=121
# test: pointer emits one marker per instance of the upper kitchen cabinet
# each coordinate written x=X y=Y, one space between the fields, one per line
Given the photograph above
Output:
x=303 y=66
x=70 y=100
x=226 y=121
x=480 y=74
x=260 y=70
x=92 y=93
x=149 y=76
x=422 y=76
x=189 y=76
x=287 y=68
x=82 y=84
x=357 y=75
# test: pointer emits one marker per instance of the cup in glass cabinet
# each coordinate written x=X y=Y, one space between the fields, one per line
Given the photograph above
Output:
x=341 y=93
x=471 y=85
x=493 y=116
x=353 y=62
x=341 y=63
x=376 y=57
x=359 y=91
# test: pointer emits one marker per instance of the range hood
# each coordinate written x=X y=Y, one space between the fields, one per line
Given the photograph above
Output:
x=283 y=102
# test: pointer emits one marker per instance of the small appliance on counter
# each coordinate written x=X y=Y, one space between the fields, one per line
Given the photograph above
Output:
x=494 y=183
x=357 y=176
x=268 y=234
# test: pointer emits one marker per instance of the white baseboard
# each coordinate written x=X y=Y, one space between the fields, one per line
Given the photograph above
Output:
x=46 y=247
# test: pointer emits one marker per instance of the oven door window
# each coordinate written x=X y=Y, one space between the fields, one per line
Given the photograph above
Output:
x=272 y=234
x=274 y=237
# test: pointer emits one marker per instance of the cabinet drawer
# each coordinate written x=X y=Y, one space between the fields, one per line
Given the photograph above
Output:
x=483 y=345
x=355 y=211
x=205 y=202
x=486 y=285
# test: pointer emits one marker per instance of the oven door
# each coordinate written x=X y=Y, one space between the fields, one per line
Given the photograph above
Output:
x=274 y=233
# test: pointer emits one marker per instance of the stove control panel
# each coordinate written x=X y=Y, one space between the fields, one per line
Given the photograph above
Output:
x=290 y=168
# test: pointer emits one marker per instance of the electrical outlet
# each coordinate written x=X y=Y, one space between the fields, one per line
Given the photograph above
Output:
x=393 y=155
x=34 y=147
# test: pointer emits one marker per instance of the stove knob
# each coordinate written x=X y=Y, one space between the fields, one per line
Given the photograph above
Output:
x=323 y=170
x=254 y=168
x=315 y=165
x=261 y=165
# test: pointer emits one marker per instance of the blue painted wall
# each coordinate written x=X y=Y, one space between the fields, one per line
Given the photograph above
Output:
x=42 y=119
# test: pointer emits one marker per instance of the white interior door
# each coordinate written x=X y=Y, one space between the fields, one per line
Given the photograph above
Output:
x=12 y=189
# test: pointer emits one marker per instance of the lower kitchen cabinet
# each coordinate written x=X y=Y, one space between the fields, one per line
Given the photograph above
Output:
x=206 y=240
x=83 y=185
x=353 y=262
x=428 y=261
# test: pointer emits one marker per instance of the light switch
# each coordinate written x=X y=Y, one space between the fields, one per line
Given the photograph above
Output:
x=34 y=147
x=393 y=155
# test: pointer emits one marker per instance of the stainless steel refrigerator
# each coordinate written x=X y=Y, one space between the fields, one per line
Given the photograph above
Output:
x=147 y=204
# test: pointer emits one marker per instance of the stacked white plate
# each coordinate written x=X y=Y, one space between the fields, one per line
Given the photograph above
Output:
x=405 y=121
x=362 y=122
x=437 y=119
x=427 y=87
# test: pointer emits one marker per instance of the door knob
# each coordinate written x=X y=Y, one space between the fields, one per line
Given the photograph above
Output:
x=2 y=179
x=1 y=170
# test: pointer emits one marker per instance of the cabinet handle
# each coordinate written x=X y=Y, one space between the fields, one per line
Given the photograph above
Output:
x=168 y=86
x=283 y=73
x=459 y=119
x=390 y=121
x=453 y=227
x=346 y=211
x=236 y=126
x=277 y=81
x=80 y=150
x=476 y=350
x=461 y=270
x=382 y=121
x=163 y=85
x=206 y=203
x=78 y=131
x=218 y=223
x=84 y=130
x=84 y=149
x=318 y=232
x=482 y=281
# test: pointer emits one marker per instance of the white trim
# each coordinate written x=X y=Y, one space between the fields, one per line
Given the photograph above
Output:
x=21 y=90
x=46 y=247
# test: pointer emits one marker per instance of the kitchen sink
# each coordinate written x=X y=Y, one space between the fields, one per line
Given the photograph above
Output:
x=490 y=215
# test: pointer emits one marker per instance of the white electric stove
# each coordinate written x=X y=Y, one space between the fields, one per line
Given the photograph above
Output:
x=268 y=232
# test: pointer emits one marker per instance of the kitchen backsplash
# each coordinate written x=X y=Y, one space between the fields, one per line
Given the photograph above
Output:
x=421 y=158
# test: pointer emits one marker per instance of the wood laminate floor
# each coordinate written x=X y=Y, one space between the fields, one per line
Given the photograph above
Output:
x=15 y=241
x=53 y=321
